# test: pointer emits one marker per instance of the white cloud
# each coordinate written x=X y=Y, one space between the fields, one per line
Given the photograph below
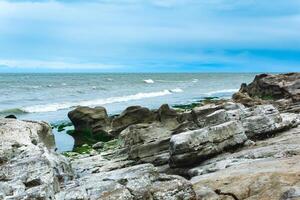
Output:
x=55 y=64
x=136 y=32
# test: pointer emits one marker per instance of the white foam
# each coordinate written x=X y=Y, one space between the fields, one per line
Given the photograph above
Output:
x=148 y=81
x=97 y=102
x=176 y=90
x=195 y=80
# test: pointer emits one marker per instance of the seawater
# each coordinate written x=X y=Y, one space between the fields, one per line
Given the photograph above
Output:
x=49 y=97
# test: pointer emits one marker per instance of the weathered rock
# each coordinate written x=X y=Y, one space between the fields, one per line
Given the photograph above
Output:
x=91 y=125
x=166 y=114
x=246 y=100
x=265 y=121
x=136 y=182
x=195 y=146
x=132 y=115
x=282 y=90
x=267 y=170
x=29 y=167
x=278 y=86
x=86 y=118
x=146 y=141
x=217 y=117
x=201 y=111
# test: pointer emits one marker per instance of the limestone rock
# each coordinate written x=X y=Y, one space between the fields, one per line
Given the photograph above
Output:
x=29 y=167
x=145 y=141
x=194 y=146
x=136 y=182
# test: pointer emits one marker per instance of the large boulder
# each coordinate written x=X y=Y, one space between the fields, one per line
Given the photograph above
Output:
x=91 y=125
x=132 y=115
x=195 y=146
x=29 y=167
x=283 y=90
x=277 y=86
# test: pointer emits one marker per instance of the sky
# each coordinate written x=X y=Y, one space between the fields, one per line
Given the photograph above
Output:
x=149 y=35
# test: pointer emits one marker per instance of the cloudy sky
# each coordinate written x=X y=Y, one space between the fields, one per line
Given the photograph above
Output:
x=149 y=35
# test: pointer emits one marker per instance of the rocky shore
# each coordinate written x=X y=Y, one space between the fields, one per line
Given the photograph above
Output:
x=247 y=147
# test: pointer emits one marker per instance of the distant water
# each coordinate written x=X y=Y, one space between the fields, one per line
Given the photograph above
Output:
x=49 y=97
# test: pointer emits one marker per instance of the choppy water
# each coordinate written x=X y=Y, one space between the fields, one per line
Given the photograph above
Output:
x=50 y=97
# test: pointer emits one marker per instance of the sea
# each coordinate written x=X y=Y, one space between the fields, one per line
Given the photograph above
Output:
x=49 y=97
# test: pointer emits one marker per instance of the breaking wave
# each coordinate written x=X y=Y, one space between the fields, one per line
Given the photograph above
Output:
x=148 y=81
x=61 y=106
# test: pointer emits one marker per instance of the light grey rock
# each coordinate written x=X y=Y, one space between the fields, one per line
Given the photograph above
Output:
x=217 y=117
x=30 y=169
x=147 y=141
x=194 y=146
x=265 y=121
x=268 y=170
x=136 y=182
x=233 y=106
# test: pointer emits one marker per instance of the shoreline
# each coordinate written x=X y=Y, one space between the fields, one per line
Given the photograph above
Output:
x=63 y=127
x=212 y=150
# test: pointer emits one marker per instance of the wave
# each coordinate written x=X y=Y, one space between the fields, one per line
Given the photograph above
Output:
x=148 y=81
x=221 y=92
x=61 y=106
x=176 y=90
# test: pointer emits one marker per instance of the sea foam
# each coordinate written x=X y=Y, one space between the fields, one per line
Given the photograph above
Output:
x=148 y=81
x=97 y=102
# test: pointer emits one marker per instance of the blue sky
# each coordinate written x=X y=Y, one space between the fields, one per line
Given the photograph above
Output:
x=149 y=36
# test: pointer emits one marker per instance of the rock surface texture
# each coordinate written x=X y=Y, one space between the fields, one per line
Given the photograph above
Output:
x=218 y=151
x=282 y=90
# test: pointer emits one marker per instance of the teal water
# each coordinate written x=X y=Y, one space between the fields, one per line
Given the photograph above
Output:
x=49 y=97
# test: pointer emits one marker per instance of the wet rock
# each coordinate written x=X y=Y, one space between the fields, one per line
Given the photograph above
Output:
x=166 y=114
x=132 y=115
x=10 y=117
x=86 y=118
x=91 y=125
